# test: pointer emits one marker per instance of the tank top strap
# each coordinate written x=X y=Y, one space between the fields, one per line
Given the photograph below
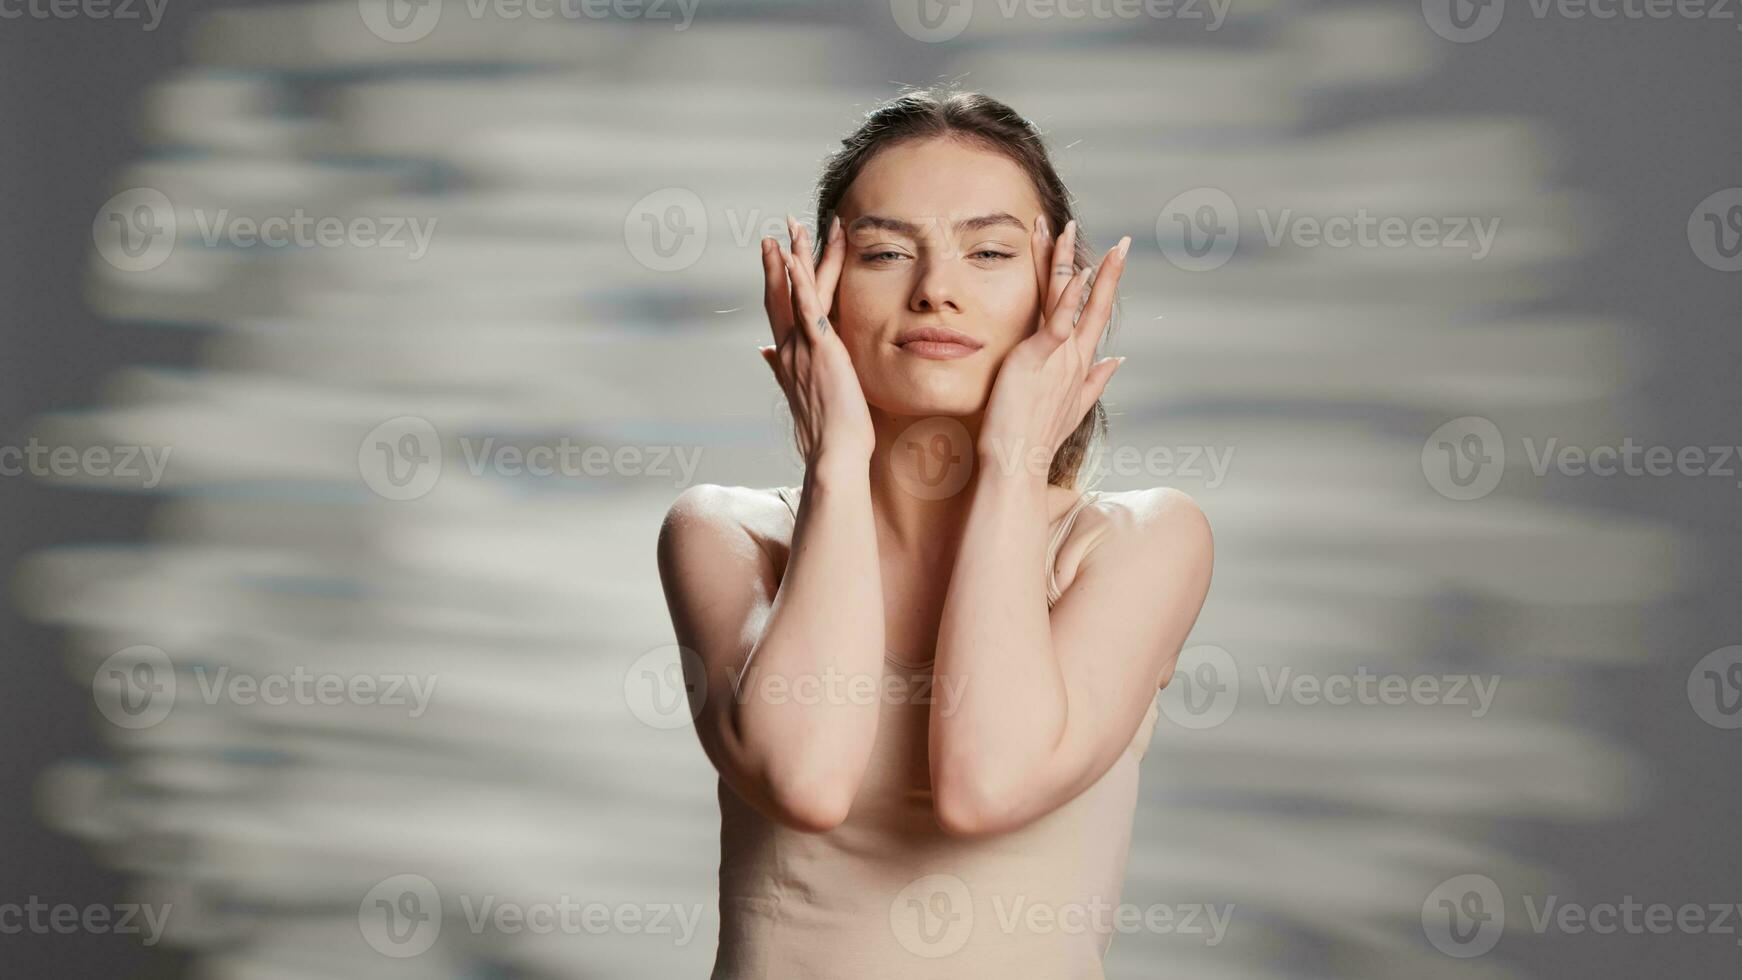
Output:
x=786 y=495
x=1058 y=539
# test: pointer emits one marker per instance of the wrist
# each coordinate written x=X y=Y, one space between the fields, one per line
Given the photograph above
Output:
x=838 y=467
x=1012 y=459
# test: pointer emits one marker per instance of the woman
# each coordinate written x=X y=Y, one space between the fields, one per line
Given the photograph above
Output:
x=926 y=677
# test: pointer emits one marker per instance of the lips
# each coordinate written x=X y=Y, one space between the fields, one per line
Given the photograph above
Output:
x=937 y=342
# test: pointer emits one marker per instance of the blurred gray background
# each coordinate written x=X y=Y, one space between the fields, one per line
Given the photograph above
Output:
x=1591 y=598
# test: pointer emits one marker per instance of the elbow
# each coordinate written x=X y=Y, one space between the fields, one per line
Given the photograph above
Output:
x=971 y=808
x=801 y=786
x=810 y=805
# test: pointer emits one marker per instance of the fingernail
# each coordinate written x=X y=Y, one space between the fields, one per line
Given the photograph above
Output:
x=1041 y=224
x=1118 y=361
x=835 y=228
x=1124 y=245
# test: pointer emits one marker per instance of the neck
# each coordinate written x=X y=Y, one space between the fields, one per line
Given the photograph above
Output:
x=924 y=475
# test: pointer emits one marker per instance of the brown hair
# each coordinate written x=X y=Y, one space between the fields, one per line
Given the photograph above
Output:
x=927 y=114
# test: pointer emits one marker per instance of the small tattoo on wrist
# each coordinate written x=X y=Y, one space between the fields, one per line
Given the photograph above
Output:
x=822 y=324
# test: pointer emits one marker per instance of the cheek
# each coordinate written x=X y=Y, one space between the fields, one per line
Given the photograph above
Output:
x=857 y=312
x=860 y=304
x=1009 y=310
x=863 y=289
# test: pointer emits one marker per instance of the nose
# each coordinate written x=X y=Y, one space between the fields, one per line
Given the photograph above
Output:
x=934 y=291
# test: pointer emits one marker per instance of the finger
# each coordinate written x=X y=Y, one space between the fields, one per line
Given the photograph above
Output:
x=1064 y=261
x=1040 y=248
x=1093 y=323
x=828 y=272
x=795 y=239
x=1095 y=384
x=804 y=263
x=774 y=292
x=771 y=357
x=813 y=305
x=806 y=308
x=1064 y=315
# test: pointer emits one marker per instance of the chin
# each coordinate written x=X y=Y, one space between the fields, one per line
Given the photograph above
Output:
x=953 y=400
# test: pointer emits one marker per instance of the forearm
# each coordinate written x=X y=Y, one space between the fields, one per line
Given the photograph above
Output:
x=797 y=705
x=995 y=646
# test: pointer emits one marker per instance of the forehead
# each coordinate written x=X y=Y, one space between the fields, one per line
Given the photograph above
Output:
x=940 y=178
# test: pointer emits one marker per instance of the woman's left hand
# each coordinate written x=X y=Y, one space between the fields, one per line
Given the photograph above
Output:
x=1050 y=380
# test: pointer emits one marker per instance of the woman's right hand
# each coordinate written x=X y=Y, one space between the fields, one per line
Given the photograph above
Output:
x=808 y=358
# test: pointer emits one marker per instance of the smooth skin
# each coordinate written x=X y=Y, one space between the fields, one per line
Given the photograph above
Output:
x=932 y=233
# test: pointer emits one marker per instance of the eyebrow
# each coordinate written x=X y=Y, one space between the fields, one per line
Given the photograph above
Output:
x=909 y=228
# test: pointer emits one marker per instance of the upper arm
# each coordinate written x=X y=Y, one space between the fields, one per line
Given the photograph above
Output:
x=719 y=583
x=1117 y=632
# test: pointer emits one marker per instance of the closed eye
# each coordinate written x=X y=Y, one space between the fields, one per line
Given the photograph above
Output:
x=890 y=255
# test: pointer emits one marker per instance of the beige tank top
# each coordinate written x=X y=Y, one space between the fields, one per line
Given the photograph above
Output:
x=888 y=895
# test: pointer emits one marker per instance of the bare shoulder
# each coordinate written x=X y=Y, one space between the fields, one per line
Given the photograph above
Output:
x=1147 y=523
x=712 y=517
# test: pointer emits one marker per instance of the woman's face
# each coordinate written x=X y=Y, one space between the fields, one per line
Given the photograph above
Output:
x=937 y=238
